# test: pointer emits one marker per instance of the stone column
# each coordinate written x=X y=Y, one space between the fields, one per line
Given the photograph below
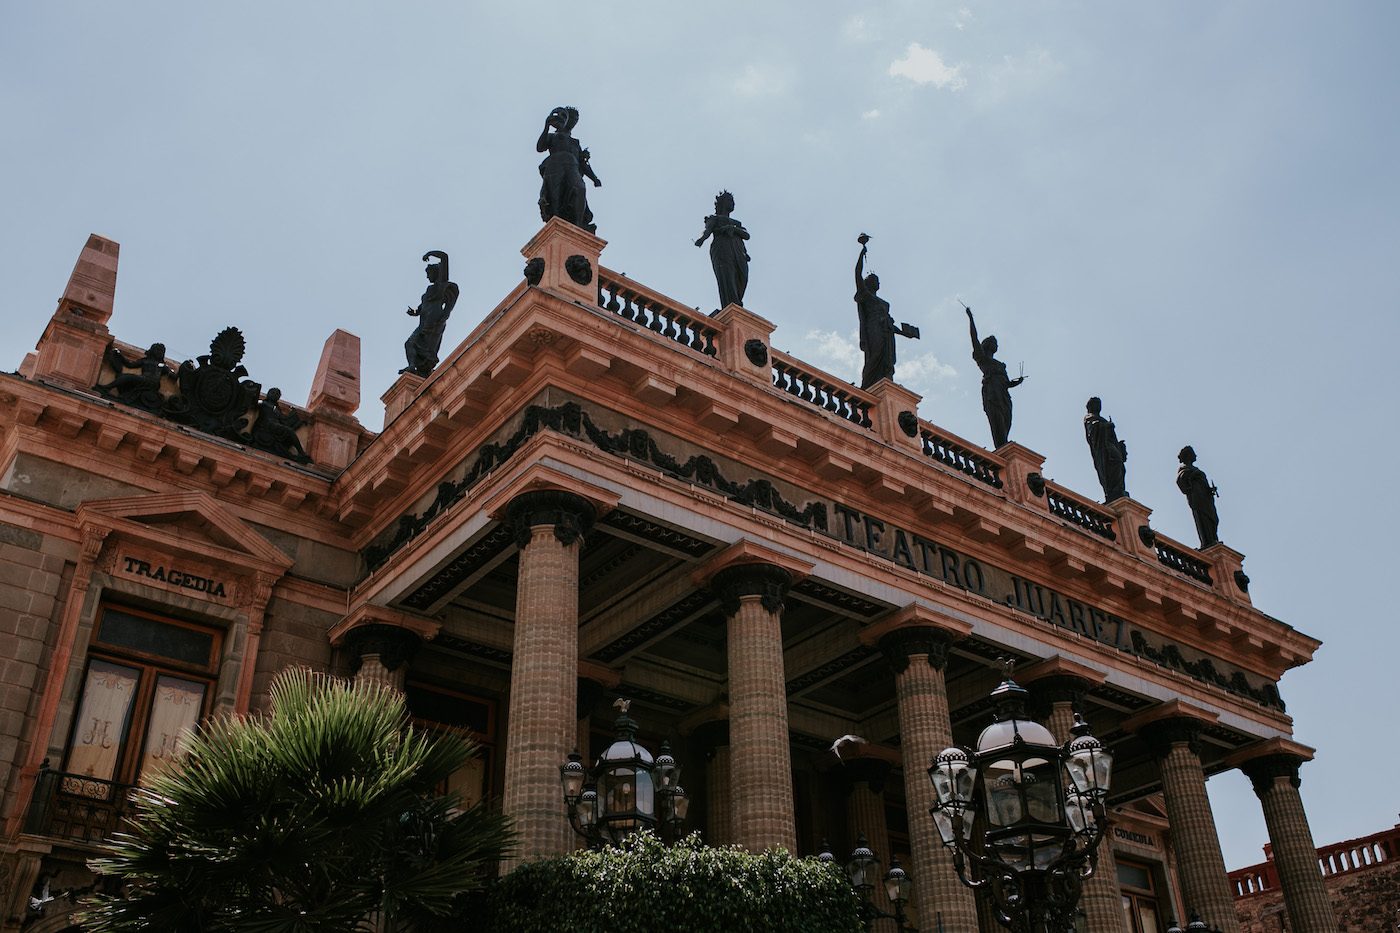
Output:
x=384 y=652
x=915 y=641
x=1174 y=737
x=762 y=812
x=1061 y=695
x=1275 y=779
x=713 y=737
x=865 y=805
x=543 y=725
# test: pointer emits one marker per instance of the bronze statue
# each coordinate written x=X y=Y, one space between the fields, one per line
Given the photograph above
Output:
x=432 y=312
x=562 y=192
x=1110 y=454
x=275 y=432
x=140 y=389
x=877 y=328
x=728 y=256
x=996 y=385
x=1200 y=495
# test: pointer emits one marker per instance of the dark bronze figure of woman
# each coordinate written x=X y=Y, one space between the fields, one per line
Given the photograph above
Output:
x=996 y=385
x=432 y=312
x=1109 y=453
x=877 y=328
x=728 y=255
x=562 y=192
x=1200 y=495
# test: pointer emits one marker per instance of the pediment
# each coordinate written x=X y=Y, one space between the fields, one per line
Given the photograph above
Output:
x=189 y=522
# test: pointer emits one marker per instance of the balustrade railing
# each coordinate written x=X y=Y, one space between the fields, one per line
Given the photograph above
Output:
x=638 y=304
x=960 y=456
x=1077 y=511
x=1337 y=859
x=76 y=807
x=817 y=388
x=1182 y=561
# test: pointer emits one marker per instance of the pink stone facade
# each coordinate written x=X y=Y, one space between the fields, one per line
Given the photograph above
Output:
x=758 y=555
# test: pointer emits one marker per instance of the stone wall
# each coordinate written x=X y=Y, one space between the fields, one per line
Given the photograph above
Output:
x=1366 y=900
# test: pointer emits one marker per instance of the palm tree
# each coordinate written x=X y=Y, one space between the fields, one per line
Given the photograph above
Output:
x=324 y=815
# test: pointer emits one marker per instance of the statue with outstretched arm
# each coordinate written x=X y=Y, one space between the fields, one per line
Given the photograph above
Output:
x=996 y=385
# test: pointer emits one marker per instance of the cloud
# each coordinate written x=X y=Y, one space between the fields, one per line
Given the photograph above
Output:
x=925 y=66
x=870 y=115
x=960 y=19
x=762 y=80
x=858 y=29
x=841 y=356
x=923 y=369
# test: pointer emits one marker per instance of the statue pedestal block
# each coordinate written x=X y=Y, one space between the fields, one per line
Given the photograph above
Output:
x=895 y=400
x=740 y=327
x=1227 y=567
x=1020 y=463
x=400 y=395
x=1132 y=515
x=556 y=244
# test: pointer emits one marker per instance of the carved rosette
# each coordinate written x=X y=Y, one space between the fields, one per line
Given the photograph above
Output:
x=1264 y=770
x=902 y=644
x=1160 y=736
x=571 y=515
x=766 y=581
x=394 y=646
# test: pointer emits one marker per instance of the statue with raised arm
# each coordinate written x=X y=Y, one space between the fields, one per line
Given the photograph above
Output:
x=728 y=256
x=140 y=389
x=562 y=192
x=1109 y=453
x=432 y=312
x=996 y=385
x=877 y=327
x=1200 y=495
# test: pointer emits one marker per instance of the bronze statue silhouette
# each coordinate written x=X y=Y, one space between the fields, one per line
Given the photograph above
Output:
x=1109 y=453
x=432 y=312
x=996 y=385
x=728 y=256
x=140 y=389
x=562 y=191
x=1200 y=495
x=275 y=432
x=877 y=327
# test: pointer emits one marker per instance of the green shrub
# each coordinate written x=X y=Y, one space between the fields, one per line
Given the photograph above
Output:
x=646 y=887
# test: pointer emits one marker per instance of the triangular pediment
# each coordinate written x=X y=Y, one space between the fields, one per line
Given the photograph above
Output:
x=188 y=521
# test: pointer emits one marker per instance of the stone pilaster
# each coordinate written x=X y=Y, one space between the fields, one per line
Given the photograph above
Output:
x=549 y=526
x=762 y=814
x=1060 y=695
x=1275 y=779
x=915 y=641
x=1175 y=740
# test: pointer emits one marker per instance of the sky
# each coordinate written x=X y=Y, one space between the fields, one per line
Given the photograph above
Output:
x=1185 y=208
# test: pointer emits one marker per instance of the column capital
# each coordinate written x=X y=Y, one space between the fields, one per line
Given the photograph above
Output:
x=367 y=615
x=570 y=514
x=394 y=646
x=745 y=551
x=915 y=630
x=766 y=581
x=1273 y=758
x=1171 y=723
x=1059 y=680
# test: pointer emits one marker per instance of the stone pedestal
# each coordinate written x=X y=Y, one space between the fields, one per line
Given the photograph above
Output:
x=556 y=244
x=737 y=350
x=1227 y=568
x=1021 y=462
x=71 y=349
x=1131 y=516
x=895 y=402
x=400 y=395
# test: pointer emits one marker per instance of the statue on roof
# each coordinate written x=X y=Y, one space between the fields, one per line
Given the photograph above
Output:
x=214 y=394
x=877 y=327
x=140 y=389
x=432 y=312
x=996 y=385
x=562 y=191
x=1109 y=453
x=728 y=255
x=1200 y=495
x=274 y=431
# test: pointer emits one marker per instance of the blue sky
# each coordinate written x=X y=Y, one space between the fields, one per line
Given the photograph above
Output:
x=1187 y=209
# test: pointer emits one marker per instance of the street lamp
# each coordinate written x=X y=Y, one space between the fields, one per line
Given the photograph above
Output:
x=1026 y=812
x=863 y=869
x=625 y=790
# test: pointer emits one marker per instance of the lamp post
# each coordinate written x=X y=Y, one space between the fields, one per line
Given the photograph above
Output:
x=625 y=790
x=1027 y=814
x=863 y=868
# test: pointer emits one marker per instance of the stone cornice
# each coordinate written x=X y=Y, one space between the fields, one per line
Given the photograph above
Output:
x=915 y=616
x=369 y=616
x=1277 y=745
x=748 y=551
x=1059 y=666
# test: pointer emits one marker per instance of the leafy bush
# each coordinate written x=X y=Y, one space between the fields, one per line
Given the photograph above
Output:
x=646 y=887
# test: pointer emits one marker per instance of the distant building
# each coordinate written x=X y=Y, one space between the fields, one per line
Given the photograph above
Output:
x=603 y=493
x=1362 y=877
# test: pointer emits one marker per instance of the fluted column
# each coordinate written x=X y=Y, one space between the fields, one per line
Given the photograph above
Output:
x=384 y=652
x=713 y=737
x=918 y=654
x=543 y=726
x=762 y=812
x=1061 y=695
x=1275 y=779
x=1205 y=886
x=865 y=804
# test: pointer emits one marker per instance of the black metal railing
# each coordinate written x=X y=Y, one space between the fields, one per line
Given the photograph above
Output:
x=1077 y=513
x=839 y=398
x=76 y=807
x=961 y=458
x=687 y=328
x=1182 y=562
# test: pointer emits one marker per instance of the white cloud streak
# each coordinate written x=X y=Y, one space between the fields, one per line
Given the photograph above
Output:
x=925 y=66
